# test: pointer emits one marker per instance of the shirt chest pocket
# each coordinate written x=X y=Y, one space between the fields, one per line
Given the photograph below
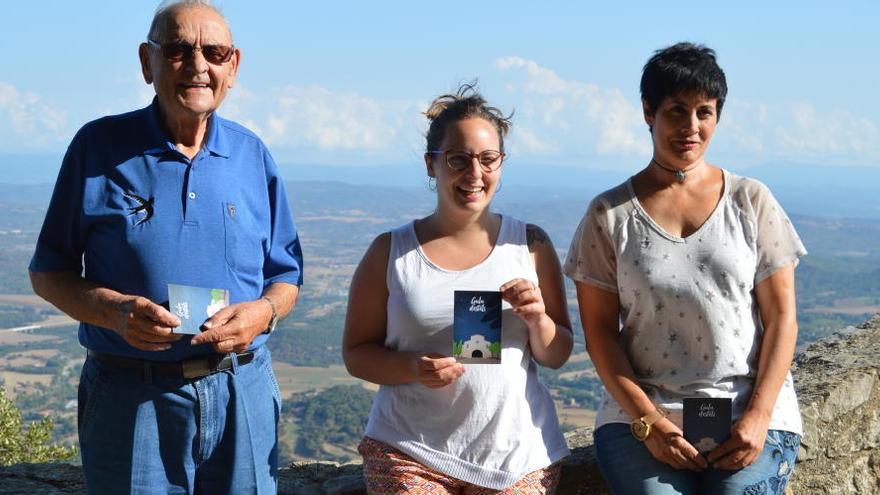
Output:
x=243 y=240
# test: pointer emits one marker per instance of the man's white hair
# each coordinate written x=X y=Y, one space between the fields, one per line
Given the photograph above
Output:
x=169 y=7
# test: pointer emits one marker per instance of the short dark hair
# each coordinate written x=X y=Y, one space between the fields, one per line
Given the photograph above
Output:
x=466 y=103
x=680 y=68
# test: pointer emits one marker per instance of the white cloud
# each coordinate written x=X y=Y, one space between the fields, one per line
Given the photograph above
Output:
x=834 y=131
x=526 y=142
x=587 y=118
x=541 y=80
x=328 y=120
x=800 y=131
x=570 y=118
x=29 y=119
x=318 y=118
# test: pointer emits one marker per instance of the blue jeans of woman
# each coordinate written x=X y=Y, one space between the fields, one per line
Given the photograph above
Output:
x=144 y=433
x=630 y=469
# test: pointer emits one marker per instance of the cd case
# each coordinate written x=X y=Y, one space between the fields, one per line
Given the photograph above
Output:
x=706 y=422
x=477 y=327
x=194 y=305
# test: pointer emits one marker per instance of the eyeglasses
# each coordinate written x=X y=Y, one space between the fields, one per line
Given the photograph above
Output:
x=490 y=160
x=175 y=52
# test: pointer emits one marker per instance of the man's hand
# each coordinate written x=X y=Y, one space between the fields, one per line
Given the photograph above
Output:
x=233 y=328
x=435 y=370
x=144 y=324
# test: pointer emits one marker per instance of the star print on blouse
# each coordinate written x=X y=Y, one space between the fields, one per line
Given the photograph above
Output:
x=710 y=278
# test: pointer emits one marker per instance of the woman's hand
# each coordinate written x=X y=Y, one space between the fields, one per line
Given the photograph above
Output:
x=526 y=299
x=667 y=444
x=435 y=370
x=745 y=444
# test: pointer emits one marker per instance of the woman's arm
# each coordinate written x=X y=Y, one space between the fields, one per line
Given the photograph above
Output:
x=543 y=308
x=363 y=349
x=776 y=302
x=600 y=316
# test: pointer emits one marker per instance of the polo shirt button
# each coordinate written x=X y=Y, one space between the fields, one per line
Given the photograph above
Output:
x=192 y=195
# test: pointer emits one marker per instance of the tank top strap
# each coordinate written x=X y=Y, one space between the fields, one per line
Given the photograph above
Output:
x=513 y=231
x=403 y=240
x=513 y=248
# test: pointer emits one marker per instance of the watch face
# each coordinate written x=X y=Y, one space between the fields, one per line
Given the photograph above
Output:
x=640 y=429
x=272 y=323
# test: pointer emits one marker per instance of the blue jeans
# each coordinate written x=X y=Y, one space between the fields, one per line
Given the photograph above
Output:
x=140 y=432
x=630 y=469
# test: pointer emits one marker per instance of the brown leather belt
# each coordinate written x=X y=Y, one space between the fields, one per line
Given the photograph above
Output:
x=189 y=368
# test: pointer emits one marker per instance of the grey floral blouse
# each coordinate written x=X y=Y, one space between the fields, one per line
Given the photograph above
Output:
x=690 y=323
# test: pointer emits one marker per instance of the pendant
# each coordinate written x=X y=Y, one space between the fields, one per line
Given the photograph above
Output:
x=680 y=175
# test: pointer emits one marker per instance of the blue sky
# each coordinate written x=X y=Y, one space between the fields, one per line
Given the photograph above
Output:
x=343 y=83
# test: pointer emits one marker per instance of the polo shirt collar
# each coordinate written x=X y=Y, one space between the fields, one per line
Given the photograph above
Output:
x=216 y=140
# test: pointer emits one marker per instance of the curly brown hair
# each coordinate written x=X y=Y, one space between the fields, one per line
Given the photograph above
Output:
x=466 y=103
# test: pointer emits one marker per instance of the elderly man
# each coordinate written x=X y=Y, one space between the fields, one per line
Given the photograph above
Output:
x=173 y=194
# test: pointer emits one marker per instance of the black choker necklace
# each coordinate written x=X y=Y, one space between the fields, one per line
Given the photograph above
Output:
x=681 y=175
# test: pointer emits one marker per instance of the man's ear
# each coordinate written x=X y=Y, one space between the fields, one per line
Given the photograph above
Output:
x=233 y=71
x=144 y=55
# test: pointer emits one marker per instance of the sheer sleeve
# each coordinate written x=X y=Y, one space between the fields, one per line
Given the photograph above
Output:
x=591 y=257
x=777 y=243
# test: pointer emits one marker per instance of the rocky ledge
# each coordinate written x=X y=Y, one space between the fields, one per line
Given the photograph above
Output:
x=838 y=388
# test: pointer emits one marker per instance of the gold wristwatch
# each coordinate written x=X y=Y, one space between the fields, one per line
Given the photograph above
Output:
x=641 y=427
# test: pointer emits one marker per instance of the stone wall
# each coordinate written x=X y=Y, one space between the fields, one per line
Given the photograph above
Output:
x=838 y=387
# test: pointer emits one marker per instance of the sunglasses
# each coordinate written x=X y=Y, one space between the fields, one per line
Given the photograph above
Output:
x=177 y=51
x=459 y=160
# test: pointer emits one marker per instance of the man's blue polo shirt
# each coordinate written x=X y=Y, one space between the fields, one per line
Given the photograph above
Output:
x=139 y=215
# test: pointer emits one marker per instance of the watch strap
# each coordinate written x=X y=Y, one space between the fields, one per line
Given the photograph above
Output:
x=654 y=416
x=274 y=320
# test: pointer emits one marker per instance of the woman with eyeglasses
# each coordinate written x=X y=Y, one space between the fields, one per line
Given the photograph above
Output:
x=436 y=423
x=685 y=281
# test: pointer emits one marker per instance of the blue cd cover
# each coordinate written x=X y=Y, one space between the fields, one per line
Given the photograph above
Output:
x=706 y=422
x=476 y=327
x=194 y=305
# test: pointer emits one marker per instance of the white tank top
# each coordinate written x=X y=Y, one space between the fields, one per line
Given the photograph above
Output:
x=497 y=422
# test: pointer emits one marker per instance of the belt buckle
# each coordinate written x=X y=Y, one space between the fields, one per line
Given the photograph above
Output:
x=195 y=368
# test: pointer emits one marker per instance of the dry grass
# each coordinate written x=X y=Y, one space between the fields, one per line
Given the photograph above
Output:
x=22 y=337
x=35 y=357
x=31 y=300
x=23 y=382
x=292 y=379
x=846 y=310
x=575 y=416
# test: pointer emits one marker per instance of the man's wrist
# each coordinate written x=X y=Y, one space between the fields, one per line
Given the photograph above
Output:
x=273 y=318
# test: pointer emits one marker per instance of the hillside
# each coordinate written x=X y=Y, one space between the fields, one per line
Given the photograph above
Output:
x=836 y=287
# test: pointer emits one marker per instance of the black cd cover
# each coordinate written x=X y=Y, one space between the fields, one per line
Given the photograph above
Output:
x=707 y=422
x=477 y=327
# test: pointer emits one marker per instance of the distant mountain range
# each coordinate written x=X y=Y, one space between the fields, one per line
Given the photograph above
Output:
x=806 y=189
